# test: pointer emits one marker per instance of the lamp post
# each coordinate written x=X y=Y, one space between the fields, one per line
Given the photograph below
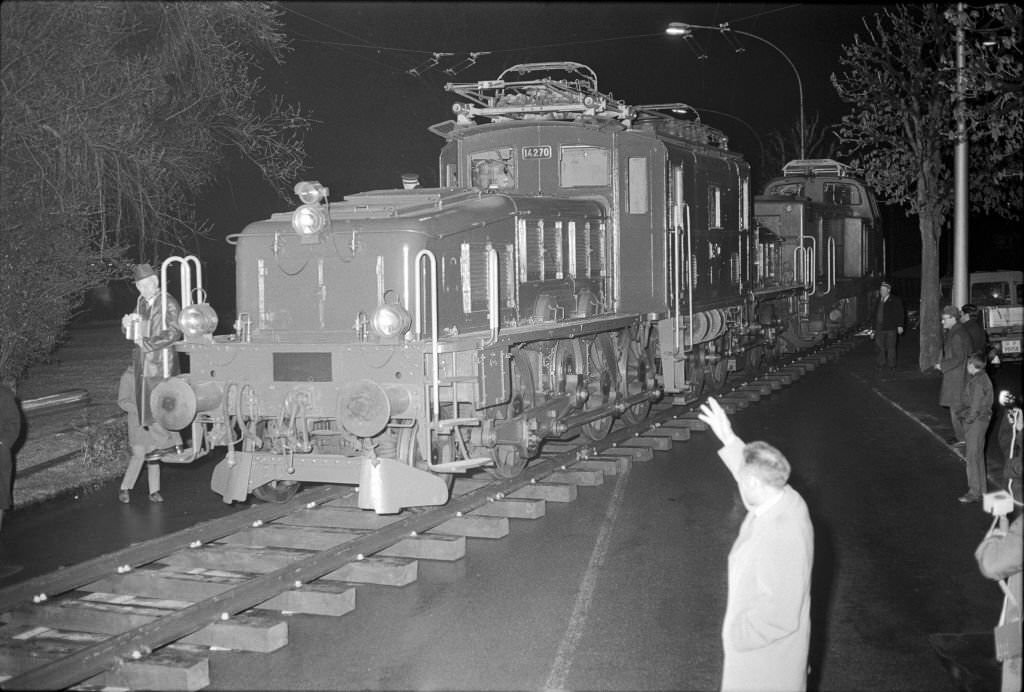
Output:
x=686 y=30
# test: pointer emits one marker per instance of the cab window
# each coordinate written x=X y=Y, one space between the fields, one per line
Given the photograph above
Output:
x=714 y=206
x=584 y=166
x=493 y=169
x=786 y=190
x=841 y=193
x=637 y=186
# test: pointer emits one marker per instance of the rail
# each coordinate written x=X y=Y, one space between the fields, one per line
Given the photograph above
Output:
x=298 y=570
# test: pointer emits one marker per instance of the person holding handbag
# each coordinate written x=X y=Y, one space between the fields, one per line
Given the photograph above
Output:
x=999 y=558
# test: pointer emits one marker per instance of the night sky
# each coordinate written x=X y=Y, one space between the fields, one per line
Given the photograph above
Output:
x=349 y=69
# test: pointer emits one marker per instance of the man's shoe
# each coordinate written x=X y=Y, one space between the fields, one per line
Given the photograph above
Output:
x=156 y=497
x=123 y=496
x=968 y=499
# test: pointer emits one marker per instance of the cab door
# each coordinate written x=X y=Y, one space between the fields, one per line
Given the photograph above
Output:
x=640 y=182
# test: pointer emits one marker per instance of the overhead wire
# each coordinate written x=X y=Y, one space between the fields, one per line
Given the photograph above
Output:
x=461 y=60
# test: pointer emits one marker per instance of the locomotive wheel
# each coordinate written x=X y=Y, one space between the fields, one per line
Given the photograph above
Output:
x=276 y=492
x=717 y=374
x=636 y=371
x=524 y=392
x=601 y=383
x=564 y=366
x=508 y=463
x=756 y=361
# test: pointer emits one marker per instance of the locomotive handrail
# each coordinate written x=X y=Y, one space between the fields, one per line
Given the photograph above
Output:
x=689 y=278
x=677 y=284
x=493 y=310
x=830 y=265
x=185 y=281
x=434 y=372
x=810 y=263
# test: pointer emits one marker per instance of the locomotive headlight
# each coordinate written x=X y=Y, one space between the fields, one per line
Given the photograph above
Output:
x=310 y=191
x=197 y=320
x=390 y=320
x=309 y=219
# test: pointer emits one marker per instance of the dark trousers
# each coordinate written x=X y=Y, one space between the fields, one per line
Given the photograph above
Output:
x=885 y=344
x=959 y=429
x=974 y=433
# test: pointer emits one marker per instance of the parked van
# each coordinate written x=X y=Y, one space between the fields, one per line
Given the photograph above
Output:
x=998 y=296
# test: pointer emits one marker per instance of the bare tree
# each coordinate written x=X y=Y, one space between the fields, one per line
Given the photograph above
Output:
x=784 y=146
x=115 y=116
x=899 y=79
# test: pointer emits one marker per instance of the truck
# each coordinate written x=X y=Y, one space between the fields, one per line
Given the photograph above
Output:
x=999 y=297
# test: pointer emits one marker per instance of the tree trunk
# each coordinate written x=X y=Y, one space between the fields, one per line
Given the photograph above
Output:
x=930 y=324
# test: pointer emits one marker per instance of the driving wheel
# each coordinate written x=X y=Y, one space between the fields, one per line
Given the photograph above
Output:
x=636 y=370
x=601 y=381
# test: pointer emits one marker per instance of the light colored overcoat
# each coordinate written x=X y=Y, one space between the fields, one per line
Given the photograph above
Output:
x=767 y=628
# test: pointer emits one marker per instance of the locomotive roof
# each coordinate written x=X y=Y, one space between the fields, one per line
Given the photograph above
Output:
x=538 y=97
x=432 y=211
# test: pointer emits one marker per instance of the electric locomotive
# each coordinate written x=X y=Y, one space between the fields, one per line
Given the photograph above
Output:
x=818 y=226
x=580 y=259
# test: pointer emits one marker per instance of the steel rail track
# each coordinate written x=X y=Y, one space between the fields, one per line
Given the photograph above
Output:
x=137 y=643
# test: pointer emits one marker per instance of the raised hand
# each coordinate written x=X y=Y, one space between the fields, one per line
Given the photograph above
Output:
x=714 y=415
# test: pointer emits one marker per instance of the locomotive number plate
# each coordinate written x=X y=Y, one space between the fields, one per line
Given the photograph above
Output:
x=543 y=152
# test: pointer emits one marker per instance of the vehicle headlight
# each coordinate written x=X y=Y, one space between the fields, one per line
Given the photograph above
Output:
x=309 y=219
x=310 y=191
x=390 y=320
x=197 y=320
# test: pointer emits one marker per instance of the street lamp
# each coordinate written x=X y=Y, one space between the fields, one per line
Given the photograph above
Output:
x=686 y=30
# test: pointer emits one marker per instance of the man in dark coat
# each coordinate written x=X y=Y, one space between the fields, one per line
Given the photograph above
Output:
x=889 y=319
x=956 y=346
x=154 y=328
x=975 y=411
x=10 y=429
x=969 y=318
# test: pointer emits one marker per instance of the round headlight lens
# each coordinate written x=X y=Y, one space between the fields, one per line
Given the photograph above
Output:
x=309 y=219
x=197 y=320
x=390 y=320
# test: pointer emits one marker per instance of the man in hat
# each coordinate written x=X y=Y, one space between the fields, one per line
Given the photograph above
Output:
x=889 y=319
x=956 y=346
x=154 y=328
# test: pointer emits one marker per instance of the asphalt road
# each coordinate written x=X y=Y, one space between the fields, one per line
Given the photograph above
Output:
x=624 y=589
